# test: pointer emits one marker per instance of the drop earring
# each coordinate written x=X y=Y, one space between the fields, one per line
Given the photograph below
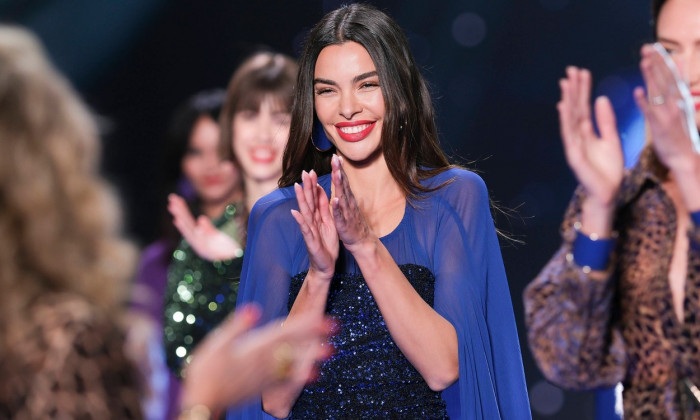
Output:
x=322 y=144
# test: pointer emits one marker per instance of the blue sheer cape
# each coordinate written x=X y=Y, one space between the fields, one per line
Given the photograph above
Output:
x=449 y=231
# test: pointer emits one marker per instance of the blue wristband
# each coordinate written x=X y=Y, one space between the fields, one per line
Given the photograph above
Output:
x=696 y=217
x=592 y=253
x=695 y=240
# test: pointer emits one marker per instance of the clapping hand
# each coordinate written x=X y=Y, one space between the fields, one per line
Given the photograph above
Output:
x=323 y=224
x=597 y=161
x=203 y=237
x=349 y=221
x=317 y=225
x=235 y=363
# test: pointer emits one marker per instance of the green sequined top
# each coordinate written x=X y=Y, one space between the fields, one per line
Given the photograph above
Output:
x=200 y=293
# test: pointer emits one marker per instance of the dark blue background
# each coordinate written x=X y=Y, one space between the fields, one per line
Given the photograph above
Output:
x=493 y=66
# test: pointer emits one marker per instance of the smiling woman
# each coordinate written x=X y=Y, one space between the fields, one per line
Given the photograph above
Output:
x=390 y=239
x=348 y=100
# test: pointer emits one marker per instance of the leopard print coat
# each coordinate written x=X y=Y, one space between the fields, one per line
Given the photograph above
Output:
x=69 y=364
x=587 y=333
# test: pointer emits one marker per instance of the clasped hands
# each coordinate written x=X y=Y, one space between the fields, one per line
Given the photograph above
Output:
x=324 y=223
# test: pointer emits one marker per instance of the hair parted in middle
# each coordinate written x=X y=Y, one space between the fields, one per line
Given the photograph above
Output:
x=409 y=135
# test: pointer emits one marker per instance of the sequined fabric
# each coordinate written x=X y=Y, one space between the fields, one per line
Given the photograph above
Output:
x=368 y=377
x=450 y=232
x=199 y=295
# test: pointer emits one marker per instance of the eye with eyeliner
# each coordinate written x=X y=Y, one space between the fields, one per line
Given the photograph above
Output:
x=323 y=91
x=367 y=85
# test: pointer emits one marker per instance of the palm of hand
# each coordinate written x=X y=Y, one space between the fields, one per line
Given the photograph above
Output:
x=203 y=237
x=324 y=252
x=212 y=244
x=597 y=161
x=316 y=225
x=600 y=166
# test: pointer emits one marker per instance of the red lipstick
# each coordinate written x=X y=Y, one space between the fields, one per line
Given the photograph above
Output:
x=696 y=102
x=212 y=180
x=354 y=130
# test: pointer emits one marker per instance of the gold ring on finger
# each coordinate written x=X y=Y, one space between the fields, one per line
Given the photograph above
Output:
x=284 y=361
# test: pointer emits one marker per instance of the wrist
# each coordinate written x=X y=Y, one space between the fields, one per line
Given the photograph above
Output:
x=365 y=249
x=688 y=181
x=195 y=396
x=592 y=252
x=685 y=165
x=596 y=218
x=317 y=281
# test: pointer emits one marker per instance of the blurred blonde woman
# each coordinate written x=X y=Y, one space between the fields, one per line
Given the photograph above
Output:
x=64 y=263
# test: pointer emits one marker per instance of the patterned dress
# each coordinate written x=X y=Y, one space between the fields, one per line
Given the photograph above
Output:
x=68 y=364
x=588 y=332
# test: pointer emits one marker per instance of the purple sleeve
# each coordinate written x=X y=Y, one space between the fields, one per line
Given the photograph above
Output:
x=150 y=281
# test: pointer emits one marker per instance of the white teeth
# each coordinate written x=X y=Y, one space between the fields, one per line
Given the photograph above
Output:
x=354 y=129
x=262 y=153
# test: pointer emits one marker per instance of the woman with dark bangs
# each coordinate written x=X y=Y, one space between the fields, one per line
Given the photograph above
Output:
x=252 y=130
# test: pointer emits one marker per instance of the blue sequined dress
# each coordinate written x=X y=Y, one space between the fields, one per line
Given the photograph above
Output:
x=447 y=247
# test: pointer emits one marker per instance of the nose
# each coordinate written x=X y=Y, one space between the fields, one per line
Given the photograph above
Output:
x=349 y=105
x=693 y=72
x=212 y=160
x=265 y=129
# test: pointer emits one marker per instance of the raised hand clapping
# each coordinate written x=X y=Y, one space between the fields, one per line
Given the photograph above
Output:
x=317 y=225
x=207 y=241
x=597 y=161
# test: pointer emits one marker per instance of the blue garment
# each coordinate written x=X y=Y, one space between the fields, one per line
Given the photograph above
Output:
x=450 y=232
x=368 y=369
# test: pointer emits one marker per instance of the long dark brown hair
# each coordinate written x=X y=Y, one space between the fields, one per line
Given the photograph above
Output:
x=409 y=135
x=656 y=6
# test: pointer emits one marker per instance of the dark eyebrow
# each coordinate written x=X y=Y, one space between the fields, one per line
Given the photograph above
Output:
x=354 y=79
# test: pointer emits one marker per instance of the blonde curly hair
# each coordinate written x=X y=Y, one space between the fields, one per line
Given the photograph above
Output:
x=59 y=221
